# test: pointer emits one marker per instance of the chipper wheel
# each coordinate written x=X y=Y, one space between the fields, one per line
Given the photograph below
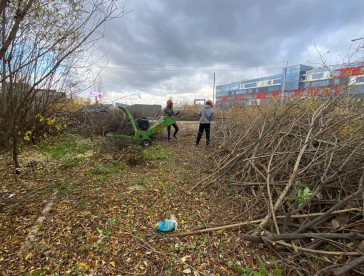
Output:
x=146 y=142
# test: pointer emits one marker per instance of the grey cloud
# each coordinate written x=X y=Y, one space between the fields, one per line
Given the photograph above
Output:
x=163 y=35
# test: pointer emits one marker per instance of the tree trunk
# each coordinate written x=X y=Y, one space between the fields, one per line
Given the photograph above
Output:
x=15 y=149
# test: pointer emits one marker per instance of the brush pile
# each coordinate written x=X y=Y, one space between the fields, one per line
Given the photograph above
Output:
x=297 y=170
x=97 y=123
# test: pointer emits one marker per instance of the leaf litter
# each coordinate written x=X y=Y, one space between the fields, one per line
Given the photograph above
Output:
x=100 y=224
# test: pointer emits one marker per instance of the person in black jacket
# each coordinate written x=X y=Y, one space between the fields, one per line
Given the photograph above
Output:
x=168 y=111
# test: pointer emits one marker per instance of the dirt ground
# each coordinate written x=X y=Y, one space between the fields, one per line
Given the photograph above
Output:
x=99 y=206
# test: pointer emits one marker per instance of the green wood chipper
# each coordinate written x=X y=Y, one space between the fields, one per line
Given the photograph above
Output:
x=142 y=132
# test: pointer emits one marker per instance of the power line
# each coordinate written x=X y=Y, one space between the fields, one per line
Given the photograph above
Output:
x=187 y=70
x=250 y=68
x=162 y=84
x=183 y=65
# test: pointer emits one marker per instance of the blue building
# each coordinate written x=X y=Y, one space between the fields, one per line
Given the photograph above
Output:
x=294 y=81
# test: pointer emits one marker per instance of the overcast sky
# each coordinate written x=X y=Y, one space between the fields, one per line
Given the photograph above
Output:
x=167 y=49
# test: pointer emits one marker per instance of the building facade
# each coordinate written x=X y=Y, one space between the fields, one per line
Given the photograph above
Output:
x=294 y=81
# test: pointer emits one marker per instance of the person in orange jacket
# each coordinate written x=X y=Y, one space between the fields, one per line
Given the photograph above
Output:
x=168 y=111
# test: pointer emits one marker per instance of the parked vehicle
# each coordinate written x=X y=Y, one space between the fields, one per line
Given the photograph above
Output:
x=94 y=109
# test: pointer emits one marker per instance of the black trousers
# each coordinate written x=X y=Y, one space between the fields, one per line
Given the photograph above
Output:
x=201 y=128
x=169 y=130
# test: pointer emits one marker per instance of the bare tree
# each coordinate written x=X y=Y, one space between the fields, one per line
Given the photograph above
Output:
x=10 y=25
x=41 y=44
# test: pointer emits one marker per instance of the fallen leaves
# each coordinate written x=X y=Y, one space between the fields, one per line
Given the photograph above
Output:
x=99 y=226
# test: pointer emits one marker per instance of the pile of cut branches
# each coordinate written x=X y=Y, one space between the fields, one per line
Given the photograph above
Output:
x=94 y=123
x=299 y=168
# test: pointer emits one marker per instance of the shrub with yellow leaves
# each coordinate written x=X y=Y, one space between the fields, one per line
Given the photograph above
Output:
x=43 y=128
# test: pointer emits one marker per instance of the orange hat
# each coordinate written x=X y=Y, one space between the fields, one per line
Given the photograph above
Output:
x=169 y=102
x=209 y=102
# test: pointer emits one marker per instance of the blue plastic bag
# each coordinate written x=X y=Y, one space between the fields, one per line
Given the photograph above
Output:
x=167 y=225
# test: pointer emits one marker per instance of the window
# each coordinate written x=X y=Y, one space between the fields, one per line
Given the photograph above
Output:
x=277 y=81
x=262 y=89
x=269 y=82
x=241 y=92
x=323 y=83
x=254 y=84
x=231 y=98
x=317 y=76
x=335 y=73
x=314 y=83
x=274 y=88
x=286 y=94
x=252 y=96
x=360 y=79
x=292 y=70
x=220 y=93
x=344 y=81
x=233 y=86
x=269 y=95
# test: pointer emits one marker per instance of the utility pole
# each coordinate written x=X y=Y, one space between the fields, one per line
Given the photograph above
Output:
x=3 y=83
x=213 y=92
x=284 y=81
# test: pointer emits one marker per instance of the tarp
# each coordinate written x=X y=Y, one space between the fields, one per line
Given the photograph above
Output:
x=144 y=110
